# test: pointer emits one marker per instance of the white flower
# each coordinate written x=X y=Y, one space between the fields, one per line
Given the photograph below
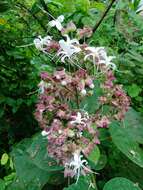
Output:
x=78 y=119
x=44 y=133
x=60 y=132
x=57 y=22
x=68 y=48
x=77 y=165
x=94 y=53
x=140 y=6
x=41 y=42
x=108 y=62
x=99 y=55
x=64 y=83
x=92 y=86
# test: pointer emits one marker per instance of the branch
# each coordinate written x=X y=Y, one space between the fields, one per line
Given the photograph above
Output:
x=103 y=16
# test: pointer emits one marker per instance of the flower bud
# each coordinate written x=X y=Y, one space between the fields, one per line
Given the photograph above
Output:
x=60 y=132
x=83 y=92
x=91 y=86
x=64 y=83
x=44 y=133
x=70 y=133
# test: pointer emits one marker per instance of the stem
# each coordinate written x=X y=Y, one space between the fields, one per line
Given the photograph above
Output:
x=77 y=99
x=94 y=181
x=68 y=181
x=44 y=5
x=103 y=16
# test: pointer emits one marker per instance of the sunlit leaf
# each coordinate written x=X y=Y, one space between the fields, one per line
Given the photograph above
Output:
x=128 y=136
x=120 y=183
x=4 y=159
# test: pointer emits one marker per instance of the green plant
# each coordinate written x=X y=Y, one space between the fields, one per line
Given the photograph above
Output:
x=121 y=32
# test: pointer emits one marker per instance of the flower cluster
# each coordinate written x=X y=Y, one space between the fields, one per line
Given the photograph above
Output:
x=68 y=50
x=115 y=97
x=72 y=132
x=63 y=126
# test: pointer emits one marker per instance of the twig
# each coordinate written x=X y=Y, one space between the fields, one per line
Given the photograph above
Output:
x=103 y=16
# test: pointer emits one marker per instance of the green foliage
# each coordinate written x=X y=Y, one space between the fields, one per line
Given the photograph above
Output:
x=121 y=32
x=2 y=185
x=19 y=74
x=101 y=162
x=119 y=165
x=33 y=166
x=4 y=6
x=4 y=159
x=120 y=183
x=91 y=103
x=134 y=90
x=84 y=183
x=73 y=5
x=94 y=155
x=128 y=136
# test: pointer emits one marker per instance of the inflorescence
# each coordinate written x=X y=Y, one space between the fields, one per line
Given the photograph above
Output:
x=72 y=132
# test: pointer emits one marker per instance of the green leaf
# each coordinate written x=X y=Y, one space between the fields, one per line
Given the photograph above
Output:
x=66 y=5
x=2 y=185
x=10 y=177
x=35 y=8
x=128 y=136
x=11 y=164
x=33 y=164
x=18 y=185
x=87 y=21
x=101 y=162
x=36 y=150
x=94 y=155
x=91 y=103
x=4 y=159
x=84 y=183
x=98 y=5
x=120 y=183
x=82 y=5
x=134 y=90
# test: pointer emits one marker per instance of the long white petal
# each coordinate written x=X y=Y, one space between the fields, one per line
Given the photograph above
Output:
x=74 y=41
x=59 y=26
x=88 y=55
x=37 y=43
x=61 y=18
x=63 y=58
x=111 y=57
x=60 y=53
x=52 y=23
